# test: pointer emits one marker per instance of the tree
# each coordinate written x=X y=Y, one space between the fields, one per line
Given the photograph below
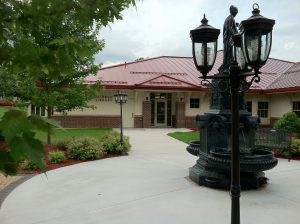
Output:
x=47 y=48
x=54 y=50
x=289 y=122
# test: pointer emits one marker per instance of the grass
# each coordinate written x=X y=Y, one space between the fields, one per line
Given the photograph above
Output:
x=186 y=137
x=68 y=133
x=2 y=111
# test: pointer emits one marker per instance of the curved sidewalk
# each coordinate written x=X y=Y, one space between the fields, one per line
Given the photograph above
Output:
x=148 y=186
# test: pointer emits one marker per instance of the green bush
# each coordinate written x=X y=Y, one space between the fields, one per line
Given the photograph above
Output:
x=62 y=145
x=30 y=166
x=296 y=147
x=289 y=122
x=56 y=157
x=85 y=149
x=111 y=143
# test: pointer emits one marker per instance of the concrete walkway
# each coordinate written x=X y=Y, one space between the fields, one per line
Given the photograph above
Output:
x=148 y=186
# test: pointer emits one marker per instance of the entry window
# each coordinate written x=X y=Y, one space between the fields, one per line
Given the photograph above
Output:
x=296 y=107
x=194 y=103
x=249 y=106
x=262 y=109
x=40 y=111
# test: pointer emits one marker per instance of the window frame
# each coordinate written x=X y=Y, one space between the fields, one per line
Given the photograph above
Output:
x=194 y=105
x=263 y=109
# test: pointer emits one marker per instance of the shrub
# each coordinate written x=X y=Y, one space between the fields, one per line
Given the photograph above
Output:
x=85 y=149
x=111 y=143
x=28 y=165
x=296 y=147
x=56 y=157
x=62 y=145
x=289 y=122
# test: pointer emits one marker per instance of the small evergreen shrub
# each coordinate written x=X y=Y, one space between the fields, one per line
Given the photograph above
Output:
x=296 y=147
x=111 y=143
x=85 y=149
x=62 y=145
x=28 y=165
x=56 y=157
x=289 y=122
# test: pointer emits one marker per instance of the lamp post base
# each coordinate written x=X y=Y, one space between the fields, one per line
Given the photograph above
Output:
x=222 y=179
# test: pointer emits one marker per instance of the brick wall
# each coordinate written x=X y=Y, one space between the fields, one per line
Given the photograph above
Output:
x=146 y=114
x=190 y=122
x=138 y=121
x=180 y=114
x=89 y=121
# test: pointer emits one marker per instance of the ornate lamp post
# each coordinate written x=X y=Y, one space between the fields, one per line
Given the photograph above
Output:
x=121 y=98
x=252 y=45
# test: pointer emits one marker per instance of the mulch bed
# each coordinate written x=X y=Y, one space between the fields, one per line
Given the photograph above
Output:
x=51 y=166
x=293 y=157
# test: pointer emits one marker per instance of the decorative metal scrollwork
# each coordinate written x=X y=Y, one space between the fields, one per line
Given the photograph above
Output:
x=221 y=85
x=245 y=85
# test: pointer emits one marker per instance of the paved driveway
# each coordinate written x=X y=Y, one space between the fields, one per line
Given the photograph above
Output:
x=149 y=186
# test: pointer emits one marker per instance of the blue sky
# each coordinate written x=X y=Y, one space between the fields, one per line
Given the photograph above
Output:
x=161 y=27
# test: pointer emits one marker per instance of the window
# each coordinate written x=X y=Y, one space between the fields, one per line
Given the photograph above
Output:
x=262 y=109
x=296 y=107
x=104 y=98
x=249 y=106
x=40 y=111
x=194 y=103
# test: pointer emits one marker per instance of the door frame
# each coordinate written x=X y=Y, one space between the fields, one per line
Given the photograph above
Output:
x=155 y=113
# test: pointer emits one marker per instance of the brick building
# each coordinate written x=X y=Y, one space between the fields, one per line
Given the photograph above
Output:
x=166 y=92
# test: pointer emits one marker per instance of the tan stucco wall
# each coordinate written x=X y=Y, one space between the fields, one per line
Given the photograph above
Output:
x=110 y=108
x=204 y=103
x=279 y=104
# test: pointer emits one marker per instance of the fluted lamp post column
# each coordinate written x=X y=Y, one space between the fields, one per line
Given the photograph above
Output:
x=252 y=46
x=121 y=98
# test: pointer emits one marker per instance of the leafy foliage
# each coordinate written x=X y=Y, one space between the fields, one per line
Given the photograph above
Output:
x=47 y=49
x=296 y=147
x=289 y=122
x=111 y=143
x=17 y=141
x=56 y=157
x=51 y=46
x=62 y=145
x=85 y=149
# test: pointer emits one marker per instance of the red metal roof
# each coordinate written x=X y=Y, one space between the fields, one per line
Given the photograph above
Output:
x=168 y=72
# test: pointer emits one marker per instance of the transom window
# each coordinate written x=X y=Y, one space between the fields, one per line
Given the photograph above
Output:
x=262 y=109
x=104 y=98
x=194 y=103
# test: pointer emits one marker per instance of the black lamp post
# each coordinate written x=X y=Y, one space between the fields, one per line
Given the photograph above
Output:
x=252 y=46
x=121 y=98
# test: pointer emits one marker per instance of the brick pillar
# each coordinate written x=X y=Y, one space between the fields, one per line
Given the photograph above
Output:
x=180 y=114
x=146 y=114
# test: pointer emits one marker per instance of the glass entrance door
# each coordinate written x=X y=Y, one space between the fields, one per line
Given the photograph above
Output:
x=160 y=113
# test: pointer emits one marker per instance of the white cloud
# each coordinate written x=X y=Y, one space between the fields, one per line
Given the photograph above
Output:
x=289 y=45
x=161 y=27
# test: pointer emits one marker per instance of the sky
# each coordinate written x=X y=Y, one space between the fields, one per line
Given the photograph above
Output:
x=162 y=28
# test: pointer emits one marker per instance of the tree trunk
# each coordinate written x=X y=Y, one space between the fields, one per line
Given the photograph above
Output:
x=49 y=115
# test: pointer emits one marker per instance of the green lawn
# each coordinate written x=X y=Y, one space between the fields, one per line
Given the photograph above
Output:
x=185 y=136
x=68 y=133
x=3 y=110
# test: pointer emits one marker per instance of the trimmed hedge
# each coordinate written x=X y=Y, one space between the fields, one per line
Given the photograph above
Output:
x=56 y=157
x=111 y=143
x=85 y=149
